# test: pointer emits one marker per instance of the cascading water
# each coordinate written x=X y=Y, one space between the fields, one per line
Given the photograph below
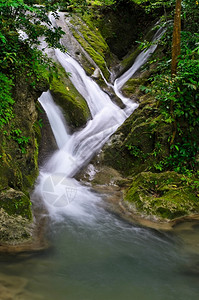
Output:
x=96 y=255
x=55 y=118
x=139 y=61
x=55 y=184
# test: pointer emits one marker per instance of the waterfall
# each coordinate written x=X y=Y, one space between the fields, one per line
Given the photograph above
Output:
x=95 y=97
x=139 y=61
x=55 y=118
x=56 y=185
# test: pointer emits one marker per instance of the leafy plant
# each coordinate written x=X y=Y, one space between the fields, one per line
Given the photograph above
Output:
x=178 y=100
x=22 y=141
x=6 y=101
x=134 y=150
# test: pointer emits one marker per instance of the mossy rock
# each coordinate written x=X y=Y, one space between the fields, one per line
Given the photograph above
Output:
x=19 y=145
x=18 y=169
x=132 y=87
x=141 y=142
x=88 y=67
x=91 y=34
x=164 y=195
x=16 y=203
x=19 y=160
x=14 y=229
x=128 y=61
x=121 y=26
x=68 y=98
x=97 y=57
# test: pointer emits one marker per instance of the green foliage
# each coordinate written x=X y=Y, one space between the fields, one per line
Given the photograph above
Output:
x=102 y=2
x=6 y=101
x=178 y=99
x=22 y=141
x=21 y=24
x=134 y=150
x=73 y=5
x=18 y=19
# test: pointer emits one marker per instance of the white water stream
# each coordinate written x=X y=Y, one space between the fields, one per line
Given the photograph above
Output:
x=55 y=185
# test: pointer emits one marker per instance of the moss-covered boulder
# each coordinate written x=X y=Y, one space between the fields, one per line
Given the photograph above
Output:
x=140 y=142
x=165 y=195
x=15 y=203
x=91 y=40
x=14 y=229
x=74 y=106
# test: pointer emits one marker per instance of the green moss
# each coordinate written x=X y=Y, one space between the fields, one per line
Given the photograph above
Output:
x=121 y=26
x=88 y=67
x=162 y=194
x=92 y=35
x=92 y=41
x=37 y=129
x=34 y=172
x=128 y=61
x=98 y=59
x=73 y=104
x=131 y=87
x=16 y=203
x=144 y=130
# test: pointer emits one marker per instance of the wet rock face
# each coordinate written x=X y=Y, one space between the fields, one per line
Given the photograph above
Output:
x=85 y=43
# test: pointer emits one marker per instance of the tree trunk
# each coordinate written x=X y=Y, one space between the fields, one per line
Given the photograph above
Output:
x=176 y=37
